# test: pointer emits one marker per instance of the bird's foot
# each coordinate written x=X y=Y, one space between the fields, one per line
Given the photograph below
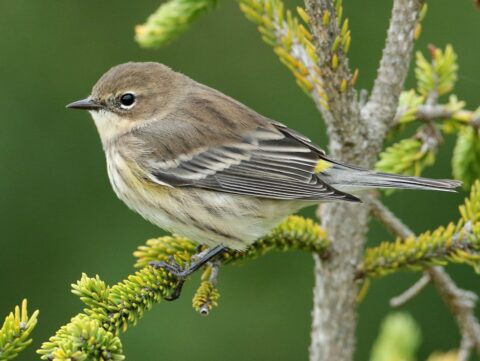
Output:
x=181 y=273
x=177 y=271
x=171 y=266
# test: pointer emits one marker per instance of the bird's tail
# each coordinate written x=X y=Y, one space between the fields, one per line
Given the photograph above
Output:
x=348 y=178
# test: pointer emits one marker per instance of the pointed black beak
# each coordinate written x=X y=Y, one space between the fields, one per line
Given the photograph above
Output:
x=85 y=104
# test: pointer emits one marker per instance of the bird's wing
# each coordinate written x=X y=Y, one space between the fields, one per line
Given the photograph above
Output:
x=213 y=142
x=270 y=161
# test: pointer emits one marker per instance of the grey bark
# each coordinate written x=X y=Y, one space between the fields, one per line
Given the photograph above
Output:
x=356 y=137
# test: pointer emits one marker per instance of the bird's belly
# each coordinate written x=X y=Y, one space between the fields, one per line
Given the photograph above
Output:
x=203 y=216
x=213 y=218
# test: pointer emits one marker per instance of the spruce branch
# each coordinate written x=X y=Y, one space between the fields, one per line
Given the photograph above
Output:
x=291 y=41
x=15 y=332
x=331 y=37
x=436 y=77
x=207 y=295
x=94 y=334
x=453 y=110
x=456 y=243
x=171 y=19
x=82 y=339
x=460 y=302
x=409 y=156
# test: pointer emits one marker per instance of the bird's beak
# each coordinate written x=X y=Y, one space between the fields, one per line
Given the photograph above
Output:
x=85 y=104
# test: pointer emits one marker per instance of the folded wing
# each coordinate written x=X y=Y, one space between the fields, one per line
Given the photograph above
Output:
x=271 y=161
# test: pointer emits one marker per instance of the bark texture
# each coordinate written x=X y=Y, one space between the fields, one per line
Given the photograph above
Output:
x=355 y=136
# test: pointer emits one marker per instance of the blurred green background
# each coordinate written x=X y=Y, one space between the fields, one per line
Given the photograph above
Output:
x=59 y=216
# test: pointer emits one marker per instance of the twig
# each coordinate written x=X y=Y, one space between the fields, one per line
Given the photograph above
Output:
x=204 y=309
x=382 y=105
x=464 y=351
x=411 y=292
x=460 y=302
x=437 y=112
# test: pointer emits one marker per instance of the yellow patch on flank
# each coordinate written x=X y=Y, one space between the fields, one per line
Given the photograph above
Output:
x=322 y=166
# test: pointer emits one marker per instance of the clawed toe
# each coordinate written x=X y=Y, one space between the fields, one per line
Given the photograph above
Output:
x=172 y=267
x=178 y=272
x=181 y=273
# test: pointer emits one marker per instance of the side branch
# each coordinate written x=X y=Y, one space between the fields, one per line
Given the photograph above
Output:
x=437 y=112
x=381 y=107
x=460 y=302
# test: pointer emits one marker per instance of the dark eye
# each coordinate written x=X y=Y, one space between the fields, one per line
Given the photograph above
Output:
x=127 y=100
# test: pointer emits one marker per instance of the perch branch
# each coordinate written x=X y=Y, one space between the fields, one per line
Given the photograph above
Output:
x=460 y=302
x=110 y=310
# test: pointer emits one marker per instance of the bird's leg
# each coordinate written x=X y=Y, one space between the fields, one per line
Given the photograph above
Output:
x=198 y=260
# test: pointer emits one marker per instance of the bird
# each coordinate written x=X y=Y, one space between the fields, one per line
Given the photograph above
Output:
x=200 y=164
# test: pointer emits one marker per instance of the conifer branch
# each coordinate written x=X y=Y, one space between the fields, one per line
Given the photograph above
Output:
x=460 y=302
x=454 y=243
x=435 y=78
x=329 y=29
x=94 y=334
x=410 y=156
x=15 y=332
x=171 y=19
x=207 y=295
x=438 y=112
x=292 y=42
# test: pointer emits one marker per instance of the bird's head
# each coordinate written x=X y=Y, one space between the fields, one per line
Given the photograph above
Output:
x=131 y=94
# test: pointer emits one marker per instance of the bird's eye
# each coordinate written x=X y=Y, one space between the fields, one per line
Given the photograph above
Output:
x=127 y=101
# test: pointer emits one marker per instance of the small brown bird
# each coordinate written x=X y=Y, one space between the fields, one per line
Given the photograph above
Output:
x=200 y=164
